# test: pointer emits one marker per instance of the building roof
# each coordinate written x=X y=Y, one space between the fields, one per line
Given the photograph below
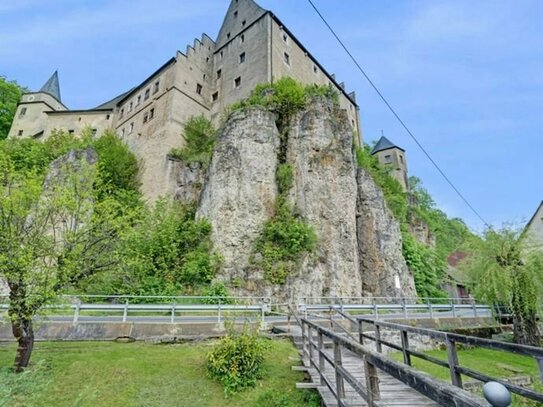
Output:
x=110 y=104
x=52 y=86
x=238 y=12
x=384 y=144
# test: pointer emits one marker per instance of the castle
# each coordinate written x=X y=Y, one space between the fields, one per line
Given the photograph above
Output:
x=253 y=46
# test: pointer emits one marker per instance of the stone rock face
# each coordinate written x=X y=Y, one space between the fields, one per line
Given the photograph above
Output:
x=240 y=190
x=324 y=194
x=71 y=162
x=382 y=266
x=187 y=180
x=359 y=249
x=420 y=231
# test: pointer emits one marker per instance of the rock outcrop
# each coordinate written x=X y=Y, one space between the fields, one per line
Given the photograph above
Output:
x=359 y=249
x=240 y=190
x=187 y=180
x=382 y=266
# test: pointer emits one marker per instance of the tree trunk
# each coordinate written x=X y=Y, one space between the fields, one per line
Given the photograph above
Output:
x=24 y=333
x=525 y=329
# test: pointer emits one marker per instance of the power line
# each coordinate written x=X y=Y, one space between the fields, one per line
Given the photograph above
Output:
x=397 y=116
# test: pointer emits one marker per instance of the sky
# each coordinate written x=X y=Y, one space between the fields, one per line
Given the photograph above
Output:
x=466 y=76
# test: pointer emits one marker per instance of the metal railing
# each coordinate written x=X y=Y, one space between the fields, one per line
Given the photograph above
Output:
x=405 y=306
x=75 y=307
x=315 y=356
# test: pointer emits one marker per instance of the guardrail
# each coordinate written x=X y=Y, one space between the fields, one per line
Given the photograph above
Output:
x=376 y=309
x=450 y=340
x=441 y=392
x=170 y=305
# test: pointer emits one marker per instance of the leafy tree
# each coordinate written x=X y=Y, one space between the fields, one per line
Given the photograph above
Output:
x=502 y=272
x=10 y=93
x=52 y=235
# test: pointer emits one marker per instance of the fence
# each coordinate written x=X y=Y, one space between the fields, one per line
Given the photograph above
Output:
x=450 y=341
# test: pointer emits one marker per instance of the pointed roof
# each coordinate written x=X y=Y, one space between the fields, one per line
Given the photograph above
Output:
x=52 y=86
x=384 y=144
x=240 y=15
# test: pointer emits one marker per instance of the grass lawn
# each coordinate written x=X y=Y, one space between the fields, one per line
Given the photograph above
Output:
x=484 y=361
x=144 y=375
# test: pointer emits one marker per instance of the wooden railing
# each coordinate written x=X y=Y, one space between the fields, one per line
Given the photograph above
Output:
x=450 y=340
x=314 y=353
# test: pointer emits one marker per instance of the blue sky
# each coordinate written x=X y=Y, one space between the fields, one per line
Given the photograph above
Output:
x=466 y=76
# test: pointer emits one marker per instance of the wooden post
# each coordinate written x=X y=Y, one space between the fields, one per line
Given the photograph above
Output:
x=378 y=345
x=452 y=356
x=405 y=348
x=322 y=366
x=539 y=361
x=372 y=383
x=360 y=332
x=340 y=386
x=309 y=340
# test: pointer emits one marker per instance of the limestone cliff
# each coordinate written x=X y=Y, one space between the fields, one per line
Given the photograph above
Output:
x=359 y=243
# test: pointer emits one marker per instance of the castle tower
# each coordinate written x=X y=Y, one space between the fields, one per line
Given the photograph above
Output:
x=389 y=154
x=30 y=118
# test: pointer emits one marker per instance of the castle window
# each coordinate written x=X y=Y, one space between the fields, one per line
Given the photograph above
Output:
x=122 y=113
x=147 y=92
x=23 y=112
x=401 y=159
x=130 y=107
x=20 y=133
x=71 y=131
x=221 y=55
x=215 y=96
x=219 y=72
x=237 y=82
x=242 y=38
x=198 y=89
x=285 y=38
x=131 y=128
x=145 y=117
x=243 y=23
x=93 y=132
x=151 y=113
x=138 y=101
x=314 y=68
x=242 y=57
x=207 y=59
x=388 y=159
x=122 y=132
x=157 y=86
x=228 y=35
x=286 y=58
x=108 y=116
x=235 y=14
x=204 y=77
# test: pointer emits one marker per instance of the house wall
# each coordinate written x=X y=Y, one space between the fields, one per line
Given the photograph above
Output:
x=534 y=231
x=34 y=120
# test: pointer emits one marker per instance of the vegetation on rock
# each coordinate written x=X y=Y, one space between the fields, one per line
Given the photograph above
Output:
x=199 y=135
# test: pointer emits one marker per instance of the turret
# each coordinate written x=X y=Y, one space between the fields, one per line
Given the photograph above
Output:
x=30 y=118
x=389 y=154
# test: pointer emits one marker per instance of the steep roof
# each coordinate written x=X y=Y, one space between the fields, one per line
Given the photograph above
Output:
x=52 y=86
x=110 y=104
x=384 y=144
x=533 y=216
x=239 y=11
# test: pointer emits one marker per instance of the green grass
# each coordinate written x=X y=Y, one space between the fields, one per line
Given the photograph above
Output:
x=483 y=361
x=137 y=374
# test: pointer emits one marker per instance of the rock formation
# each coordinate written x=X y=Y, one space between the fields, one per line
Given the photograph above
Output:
x=359 y=249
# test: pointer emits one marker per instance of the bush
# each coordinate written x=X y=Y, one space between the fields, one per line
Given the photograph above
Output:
x=218 y=291
x=199 y=135
x=237 y=361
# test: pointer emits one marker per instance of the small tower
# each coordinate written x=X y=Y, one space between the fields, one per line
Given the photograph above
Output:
x=30 y=118
x=389 y=154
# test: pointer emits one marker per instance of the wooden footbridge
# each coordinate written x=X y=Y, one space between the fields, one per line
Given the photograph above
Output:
x=346 y=371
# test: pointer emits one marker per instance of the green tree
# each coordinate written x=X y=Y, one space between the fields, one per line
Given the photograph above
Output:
x=502 y=272
x=52 y=234
x=10 y=93
x=199 y=135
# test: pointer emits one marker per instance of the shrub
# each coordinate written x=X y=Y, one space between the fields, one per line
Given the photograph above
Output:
x=285 y=177
x=218 y=291
x=199 y=135
x=237 y=361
